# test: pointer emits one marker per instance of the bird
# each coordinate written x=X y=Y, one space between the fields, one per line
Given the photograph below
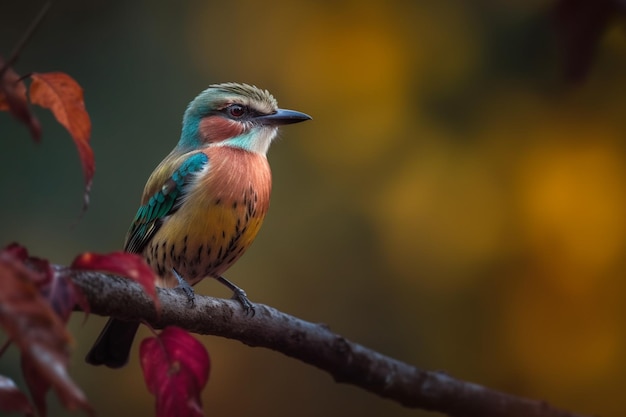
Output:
x=204 y=204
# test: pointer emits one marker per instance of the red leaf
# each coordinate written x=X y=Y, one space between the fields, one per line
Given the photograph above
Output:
x=51 y=371
x=16 y=250
x=63 y=295
x=12 y=400
x=64 y=97
x=39 y=333
x=56 y=287
x=176 y=369
x=13 y=99
x=126 y=264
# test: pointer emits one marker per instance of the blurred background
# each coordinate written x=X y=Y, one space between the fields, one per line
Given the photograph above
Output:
x=458 y=201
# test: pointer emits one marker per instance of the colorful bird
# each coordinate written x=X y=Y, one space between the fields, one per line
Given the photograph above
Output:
x=204 y=203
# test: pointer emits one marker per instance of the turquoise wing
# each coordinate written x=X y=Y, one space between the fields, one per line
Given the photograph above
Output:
x=161 y=204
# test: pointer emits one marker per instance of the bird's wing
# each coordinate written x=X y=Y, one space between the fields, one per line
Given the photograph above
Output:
x=162 y=203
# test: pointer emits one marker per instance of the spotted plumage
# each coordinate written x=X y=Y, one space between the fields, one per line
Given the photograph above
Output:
x=205 y=202
x=240 y=184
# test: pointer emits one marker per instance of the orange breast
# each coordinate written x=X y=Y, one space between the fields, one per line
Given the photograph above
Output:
x=218 y=219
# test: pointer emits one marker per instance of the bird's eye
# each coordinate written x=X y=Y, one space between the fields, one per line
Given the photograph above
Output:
x=236 y=110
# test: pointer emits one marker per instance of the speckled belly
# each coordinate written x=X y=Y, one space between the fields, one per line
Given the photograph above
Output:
x=216 y=219
x=204 y=240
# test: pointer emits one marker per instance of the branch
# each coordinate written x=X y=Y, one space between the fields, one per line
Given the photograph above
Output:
x=315 y=344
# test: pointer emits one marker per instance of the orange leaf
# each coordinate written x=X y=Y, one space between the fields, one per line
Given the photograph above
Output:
x=176 y=369
x=64 y=97
x=13 y=99
x=126 y=264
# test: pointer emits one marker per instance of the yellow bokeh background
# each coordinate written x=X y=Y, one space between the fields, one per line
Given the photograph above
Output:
x=454 y=203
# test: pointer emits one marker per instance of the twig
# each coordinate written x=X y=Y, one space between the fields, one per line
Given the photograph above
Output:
x=26 y=37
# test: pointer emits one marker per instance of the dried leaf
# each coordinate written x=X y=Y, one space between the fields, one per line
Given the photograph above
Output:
x=61 y=94
x=176 y=369
x=121 y=263
x=13 y=99
x=39 y=333
x=12 y=400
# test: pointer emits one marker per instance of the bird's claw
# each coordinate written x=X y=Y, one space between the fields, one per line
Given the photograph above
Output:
x=190 y=293
x=241 y=296
x=186 y=288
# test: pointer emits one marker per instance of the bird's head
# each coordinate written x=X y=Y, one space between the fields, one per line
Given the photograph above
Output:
x=238 y=115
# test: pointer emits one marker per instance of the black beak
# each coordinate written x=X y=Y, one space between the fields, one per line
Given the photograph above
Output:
x=282 y=117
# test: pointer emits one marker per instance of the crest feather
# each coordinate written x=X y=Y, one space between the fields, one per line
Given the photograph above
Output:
x=247 y=90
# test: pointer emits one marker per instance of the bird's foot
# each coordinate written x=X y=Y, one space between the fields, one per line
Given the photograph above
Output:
x=239 y=295
x=186 y=288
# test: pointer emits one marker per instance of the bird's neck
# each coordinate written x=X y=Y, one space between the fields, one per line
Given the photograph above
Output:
x=255 y=140
x=189 y=136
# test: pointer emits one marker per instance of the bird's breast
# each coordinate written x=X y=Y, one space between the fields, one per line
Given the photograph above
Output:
x=218 y=219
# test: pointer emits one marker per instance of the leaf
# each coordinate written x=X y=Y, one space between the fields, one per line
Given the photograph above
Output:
x=12 y=400
x=51 y=371
x=39 y=333
x=61 y=94
x=17 y=251
x=55 y=285
x=126 y=264
x=63 y=294
x=176 y=369
x=13 y=99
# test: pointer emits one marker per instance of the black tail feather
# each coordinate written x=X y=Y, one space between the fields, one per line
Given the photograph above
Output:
x=112 y=347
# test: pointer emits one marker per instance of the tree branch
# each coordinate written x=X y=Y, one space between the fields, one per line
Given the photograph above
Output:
x=312 y=343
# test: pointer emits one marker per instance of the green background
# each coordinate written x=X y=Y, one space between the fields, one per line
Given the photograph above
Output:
x=454 y=203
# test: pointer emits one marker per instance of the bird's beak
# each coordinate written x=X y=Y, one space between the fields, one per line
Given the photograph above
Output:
x=282 y=117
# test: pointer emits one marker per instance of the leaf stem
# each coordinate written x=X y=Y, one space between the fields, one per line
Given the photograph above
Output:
x=26 y=37
x=4 y=347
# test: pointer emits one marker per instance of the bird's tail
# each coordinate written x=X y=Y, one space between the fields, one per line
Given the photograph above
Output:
x=112 y=347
